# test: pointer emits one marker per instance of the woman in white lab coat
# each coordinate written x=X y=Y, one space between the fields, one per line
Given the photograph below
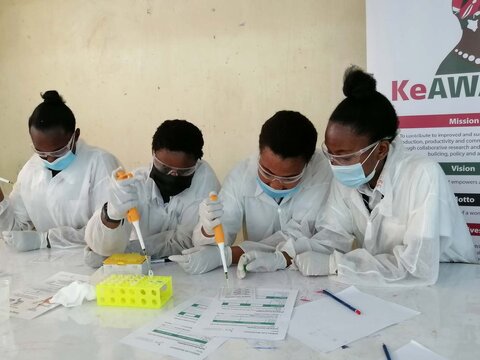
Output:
x=396 y=206
x=60 y=187
x=272 y=194
x=166 y=194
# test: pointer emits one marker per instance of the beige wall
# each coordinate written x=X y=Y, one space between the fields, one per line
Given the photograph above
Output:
x=124 y=66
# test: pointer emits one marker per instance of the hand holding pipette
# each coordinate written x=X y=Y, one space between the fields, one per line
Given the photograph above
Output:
x=220 y=238
x=133 y=217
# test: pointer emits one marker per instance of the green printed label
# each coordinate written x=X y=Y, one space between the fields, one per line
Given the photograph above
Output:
x=275 y=297
x=243 y=322
x=180 y=336
x=468 y=168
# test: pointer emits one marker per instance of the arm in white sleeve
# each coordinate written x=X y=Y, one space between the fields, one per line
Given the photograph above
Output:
x=331 y=230
x=13 y=214
x=173 y=240
x=105 y=241
x=416 y=259
x=65 y=236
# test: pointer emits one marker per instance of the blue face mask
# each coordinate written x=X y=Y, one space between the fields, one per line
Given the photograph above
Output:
x=352 y=176
x=274 y=193
x=60 y=163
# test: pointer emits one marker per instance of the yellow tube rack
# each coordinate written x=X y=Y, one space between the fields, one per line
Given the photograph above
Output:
x=141 y=291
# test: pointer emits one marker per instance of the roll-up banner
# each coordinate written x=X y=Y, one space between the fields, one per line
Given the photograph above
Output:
x=425 y=56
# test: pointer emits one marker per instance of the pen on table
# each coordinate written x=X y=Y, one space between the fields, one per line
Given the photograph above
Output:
x=385 y=350
x=6 y=180
x=160 y=260
x=356 y=311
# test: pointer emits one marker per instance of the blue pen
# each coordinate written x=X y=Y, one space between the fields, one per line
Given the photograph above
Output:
x=385 y=350
x=356 y=311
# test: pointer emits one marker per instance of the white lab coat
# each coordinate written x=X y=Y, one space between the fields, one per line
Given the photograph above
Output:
x=61 y=205
x=166 y=228
x=415 y=225
x=267 y=224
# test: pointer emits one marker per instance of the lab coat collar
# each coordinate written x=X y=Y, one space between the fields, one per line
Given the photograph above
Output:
x=385 y=181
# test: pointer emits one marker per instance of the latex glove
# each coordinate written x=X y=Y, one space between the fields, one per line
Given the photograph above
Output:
x=209 y=212
x=92 y=259
x=25 y=240
x=122 y=196
x=201 y=259
x=259 y=261
x=313 y=263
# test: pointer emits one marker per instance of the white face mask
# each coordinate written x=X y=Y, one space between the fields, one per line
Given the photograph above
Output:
x=353 y=176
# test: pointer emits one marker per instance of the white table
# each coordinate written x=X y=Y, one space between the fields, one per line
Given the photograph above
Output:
x=449 y=322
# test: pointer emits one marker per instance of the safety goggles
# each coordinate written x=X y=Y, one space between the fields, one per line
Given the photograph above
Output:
x=171 y=170
x=348 y=159
x=282 y=179
x=57 y=153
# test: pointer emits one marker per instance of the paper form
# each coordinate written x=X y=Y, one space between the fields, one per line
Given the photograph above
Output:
x=172 y=334
x=32 y=302
x=414 y=351
x=265 y=317
x=325 y=324
x=51 y=256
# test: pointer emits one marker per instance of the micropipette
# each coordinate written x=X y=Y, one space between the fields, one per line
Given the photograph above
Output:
x=220 y=238
x=6 y=180
x=133 y=217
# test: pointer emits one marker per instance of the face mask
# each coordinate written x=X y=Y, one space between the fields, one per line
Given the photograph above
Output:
x=274 y=193
x=353 y=176
x=170 y=185
x=60 y=163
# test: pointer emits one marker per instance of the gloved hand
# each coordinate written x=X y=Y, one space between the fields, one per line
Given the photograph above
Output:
x=25 y=240
x=313 y=263
x=259 y=261
x=122 y=196
x=92 y=259
x=201 y=259
x=210 y=213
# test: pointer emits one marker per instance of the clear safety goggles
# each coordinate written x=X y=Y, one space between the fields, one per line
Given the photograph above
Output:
x=57 y=153
x=171 y=170
x=348 y=159
x=282 y=179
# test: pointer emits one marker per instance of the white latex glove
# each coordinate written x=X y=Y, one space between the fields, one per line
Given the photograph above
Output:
x=313 y=263
x=25 y=240
x=259 y=261
x=209 y=212
x=92 y=259
x=201 y=259
x=122 y=196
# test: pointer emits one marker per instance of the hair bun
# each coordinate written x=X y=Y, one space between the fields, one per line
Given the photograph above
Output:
x=358 y=84
x=52 y=97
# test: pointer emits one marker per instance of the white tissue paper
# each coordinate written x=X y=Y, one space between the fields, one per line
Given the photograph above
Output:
x=73 y=294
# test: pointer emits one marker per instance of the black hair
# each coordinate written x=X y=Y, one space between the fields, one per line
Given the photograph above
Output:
x=289 y=134
x=179 y=135
x=365 y=110
x=52 y=113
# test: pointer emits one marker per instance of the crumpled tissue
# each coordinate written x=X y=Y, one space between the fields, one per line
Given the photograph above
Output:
x=73 y=294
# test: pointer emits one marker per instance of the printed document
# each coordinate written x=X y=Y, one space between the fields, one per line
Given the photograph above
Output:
x=31 y=302
x=172 y=334
x=264 y=316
